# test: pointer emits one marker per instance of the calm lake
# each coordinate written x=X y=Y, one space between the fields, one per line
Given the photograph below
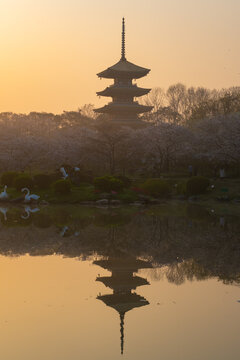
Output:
x=121 y=283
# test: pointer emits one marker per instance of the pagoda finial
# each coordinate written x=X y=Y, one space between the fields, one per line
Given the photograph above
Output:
x=123 y=40
x=122 y=331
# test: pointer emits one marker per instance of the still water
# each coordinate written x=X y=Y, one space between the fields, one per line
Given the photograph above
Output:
x=128 y=283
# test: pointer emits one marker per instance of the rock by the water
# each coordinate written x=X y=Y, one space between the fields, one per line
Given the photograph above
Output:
x=155 y=201
x=193 y=198
x=138 y=203
x=102 y=202
x=115 y=202
x=223 y=198
x=87 y=202
x=236 y=200
x=181 y=197
x=144 y=198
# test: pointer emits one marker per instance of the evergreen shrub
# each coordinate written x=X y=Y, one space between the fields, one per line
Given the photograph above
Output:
x=128 y=196
x=62 y=186
x=156 y=187
x=22 y=181
x=81 y=177
x=108 y=184
x=8 y=177
x=42 y=181
x=126 y=180
x=197 y=185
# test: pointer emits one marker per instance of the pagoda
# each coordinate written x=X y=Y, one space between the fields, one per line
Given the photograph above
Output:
x=124 y=108
x=122 y=282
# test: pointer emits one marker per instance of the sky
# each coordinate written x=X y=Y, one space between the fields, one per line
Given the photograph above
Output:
x=51 y=50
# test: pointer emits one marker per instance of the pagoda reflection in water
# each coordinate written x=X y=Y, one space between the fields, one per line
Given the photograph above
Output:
x=123 y=282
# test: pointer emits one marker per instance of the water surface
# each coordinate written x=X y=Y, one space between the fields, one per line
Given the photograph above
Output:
x=128 y=283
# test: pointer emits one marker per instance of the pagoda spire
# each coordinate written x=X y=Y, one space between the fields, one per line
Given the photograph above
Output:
x=124 y=109
x=123 y=58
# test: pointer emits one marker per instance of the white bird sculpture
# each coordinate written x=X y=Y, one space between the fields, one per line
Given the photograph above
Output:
x=29 y=197
x=4 y=212
x=28 y=210
x=64 y=174
x=4 y=194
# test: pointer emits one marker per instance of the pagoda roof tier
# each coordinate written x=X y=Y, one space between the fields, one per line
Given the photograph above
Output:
x=123 y=107
x=123 y=302
x=123 y=90
x=122 y=282
x=123 y=264
x=124 y=68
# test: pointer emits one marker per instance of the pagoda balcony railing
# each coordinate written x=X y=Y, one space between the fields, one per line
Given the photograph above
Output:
x=124 y=102
x=122 y=85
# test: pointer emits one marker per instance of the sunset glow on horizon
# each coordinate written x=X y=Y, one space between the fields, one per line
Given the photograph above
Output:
x=52 y=51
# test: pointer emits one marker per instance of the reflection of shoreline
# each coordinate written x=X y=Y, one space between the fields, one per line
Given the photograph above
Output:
x=123 y=282
x=195 y=245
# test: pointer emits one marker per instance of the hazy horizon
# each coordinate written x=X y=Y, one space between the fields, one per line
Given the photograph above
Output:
x=52 y=52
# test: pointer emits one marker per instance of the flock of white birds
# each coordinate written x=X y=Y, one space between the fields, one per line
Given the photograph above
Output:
x=29 y=197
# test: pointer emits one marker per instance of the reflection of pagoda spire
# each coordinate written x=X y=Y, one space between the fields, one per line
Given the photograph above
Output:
x=122 y=282
x=123 y=58
x=122 y=331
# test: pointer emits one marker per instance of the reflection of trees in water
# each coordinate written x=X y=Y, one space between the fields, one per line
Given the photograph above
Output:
x=192 y=246
x=179 y=272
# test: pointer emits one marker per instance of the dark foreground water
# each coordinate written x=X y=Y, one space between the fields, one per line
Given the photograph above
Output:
x=87 y=283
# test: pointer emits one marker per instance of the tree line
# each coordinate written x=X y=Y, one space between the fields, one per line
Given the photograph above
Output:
x=194 y=126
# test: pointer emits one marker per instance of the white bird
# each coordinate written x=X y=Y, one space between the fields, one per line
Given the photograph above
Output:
x=64 y=230
x=28 y=210
x=29 y=197
x=4 y=212
x=4 y=195
x=64 y=174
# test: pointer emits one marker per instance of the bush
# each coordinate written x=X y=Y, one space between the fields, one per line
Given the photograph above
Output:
x=108 y=184
x=181 y=188
x=23 y=180
x=62 y=186
x=156 y=187
x=126 y=181
x=128 y=196
x=54 y=176
x=42 y=181
x=197 y=185
x=8 y=178
x=81 y=177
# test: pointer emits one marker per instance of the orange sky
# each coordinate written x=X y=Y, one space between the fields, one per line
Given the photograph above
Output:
x=52 y=50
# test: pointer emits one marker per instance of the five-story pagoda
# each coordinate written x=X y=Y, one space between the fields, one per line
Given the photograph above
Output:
x=123 y=108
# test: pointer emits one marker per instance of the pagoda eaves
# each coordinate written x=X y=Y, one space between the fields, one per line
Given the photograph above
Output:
x=122 y=282
x=124 y=68
x=123 y=107
x=120 y=108
x=121 y=90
